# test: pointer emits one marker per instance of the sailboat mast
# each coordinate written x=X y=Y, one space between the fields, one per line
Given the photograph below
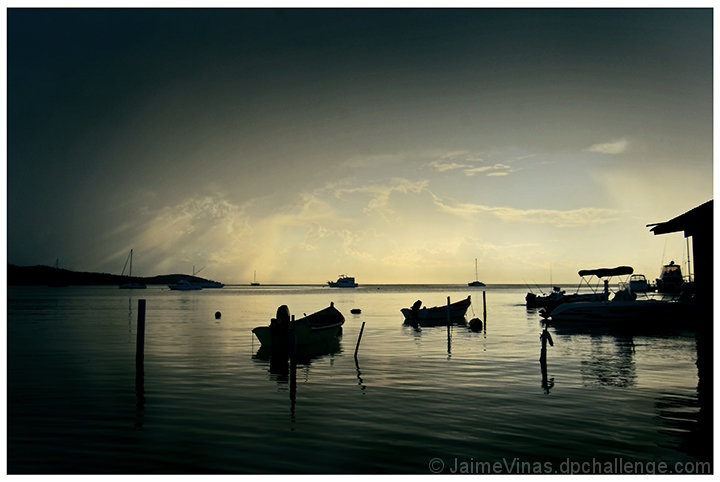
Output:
x=131 y=263
x=476 y=273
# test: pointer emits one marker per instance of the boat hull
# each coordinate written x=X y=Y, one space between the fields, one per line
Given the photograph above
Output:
x=638 y=311
x=315 y=329
x=438 y=315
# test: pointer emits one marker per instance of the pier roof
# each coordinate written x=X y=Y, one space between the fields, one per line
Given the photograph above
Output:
x=697 y=219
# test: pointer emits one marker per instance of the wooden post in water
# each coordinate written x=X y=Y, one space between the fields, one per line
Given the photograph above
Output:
x=140 y=345
x=448 y=311
x=484 y=309
x=357 y=345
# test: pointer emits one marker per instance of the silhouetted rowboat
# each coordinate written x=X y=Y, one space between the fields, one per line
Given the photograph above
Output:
x=437 y=315
x=316 y=328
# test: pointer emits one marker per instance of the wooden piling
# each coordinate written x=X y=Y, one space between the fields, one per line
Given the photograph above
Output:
x=448 y=311
x=357 y=345
x=484 y=309
x=140 y=345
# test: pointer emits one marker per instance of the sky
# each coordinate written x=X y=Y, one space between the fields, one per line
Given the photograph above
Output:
x=396 y=146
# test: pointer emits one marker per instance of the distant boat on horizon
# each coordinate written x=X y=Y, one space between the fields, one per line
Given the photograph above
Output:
x=131 y=285
x=254 y=281
x=476 y=282
x=184 y=285
x=343 y=281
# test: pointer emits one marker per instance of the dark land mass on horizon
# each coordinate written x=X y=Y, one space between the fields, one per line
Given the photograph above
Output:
x=49 y=276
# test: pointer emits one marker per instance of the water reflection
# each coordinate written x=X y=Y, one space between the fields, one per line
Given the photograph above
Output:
x=282 y=367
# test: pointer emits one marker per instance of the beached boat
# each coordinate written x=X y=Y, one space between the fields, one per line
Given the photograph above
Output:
x=309 y=330
x=132 y=285
x=184 y=285
x=476 y=282
x=557 y=296
x=344 y=281
x=437 y=315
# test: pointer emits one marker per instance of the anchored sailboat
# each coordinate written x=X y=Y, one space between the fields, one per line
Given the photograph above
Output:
x=131 y=284
x=476 y=282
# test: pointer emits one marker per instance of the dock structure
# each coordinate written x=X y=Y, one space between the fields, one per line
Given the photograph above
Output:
x=698 y=224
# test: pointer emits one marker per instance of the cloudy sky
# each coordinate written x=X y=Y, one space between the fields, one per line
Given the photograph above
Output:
x=393 y=145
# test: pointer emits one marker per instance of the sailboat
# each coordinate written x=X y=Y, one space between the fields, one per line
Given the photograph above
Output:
x=131 y=285
x=476 y=282
x=254 y=282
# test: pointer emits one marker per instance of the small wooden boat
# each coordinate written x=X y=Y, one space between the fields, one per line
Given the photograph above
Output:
x=309 y=330
x=437 y=315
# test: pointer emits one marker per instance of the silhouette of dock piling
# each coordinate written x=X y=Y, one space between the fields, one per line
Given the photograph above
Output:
x=357 y=345
x=484 y=309
x=140 y=344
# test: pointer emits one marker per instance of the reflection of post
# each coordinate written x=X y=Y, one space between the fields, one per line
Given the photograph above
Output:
x=448 y=324
x=360 y=380
x=545 y=338
x=484 y=309
x=140 y=366
x=293 y=387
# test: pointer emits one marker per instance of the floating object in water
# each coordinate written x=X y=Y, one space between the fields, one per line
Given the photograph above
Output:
x=356 y=311
x=475 y=324
x=217 y=315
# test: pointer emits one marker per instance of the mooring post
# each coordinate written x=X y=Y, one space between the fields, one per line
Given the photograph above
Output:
x=484 y=309
x=140 y=345
x=357 y=345
x=448 y=311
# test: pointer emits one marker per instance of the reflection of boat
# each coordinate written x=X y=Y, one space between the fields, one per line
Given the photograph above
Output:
x=344 y=281
x=670 y=280
x=308 y=331
x=437 y=315
x=476 y=282
x=131 y=285
x=558 y=296
x=184 y=285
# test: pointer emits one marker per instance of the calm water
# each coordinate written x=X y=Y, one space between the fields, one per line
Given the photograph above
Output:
x=415 y=402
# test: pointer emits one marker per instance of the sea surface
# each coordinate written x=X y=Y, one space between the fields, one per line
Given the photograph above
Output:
x=437 y=400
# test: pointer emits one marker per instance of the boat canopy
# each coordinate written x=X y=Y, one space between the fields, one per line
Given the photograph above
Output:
x=604 y=272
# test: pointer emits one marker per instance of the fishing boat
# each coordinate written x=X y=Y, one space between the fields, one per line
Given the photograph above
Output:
x=343 y=281
x=254 y=281
x=639 y=284
x=670 y=280
x=314 y=329
x=135 y=285
x=476 y=282
x=184 y=285
x=557 y=296
x=437 y=315
x=624 y=308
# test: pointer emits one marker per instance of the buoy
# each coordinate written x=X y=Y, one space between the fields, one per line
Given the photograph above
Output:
x=475 y=324
x=355 y=311
x=217 y=315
